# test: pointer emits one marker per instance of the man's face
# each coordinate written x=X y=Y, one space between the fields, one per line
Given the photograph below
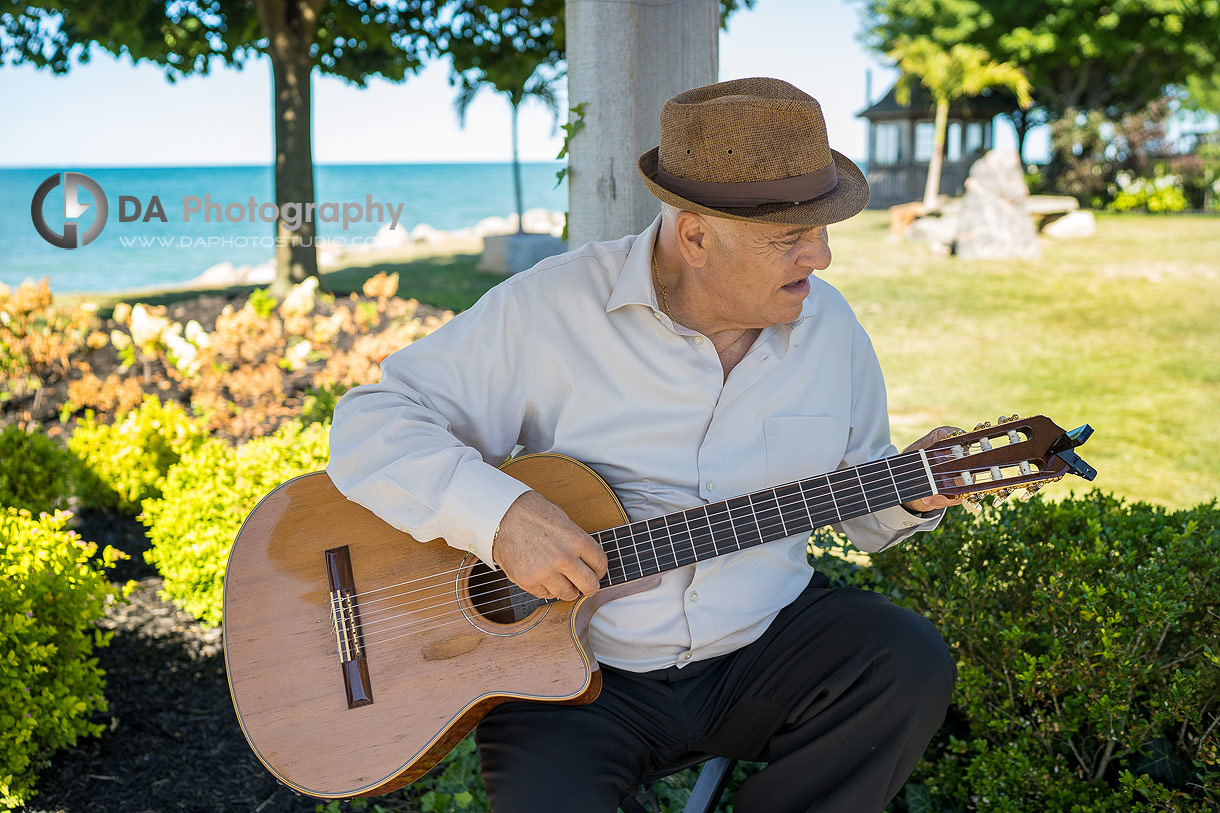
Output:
x=761 y=272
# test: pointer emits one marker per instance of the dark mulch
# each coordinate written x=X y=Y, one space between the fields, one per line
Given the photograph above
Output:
x=172 y=741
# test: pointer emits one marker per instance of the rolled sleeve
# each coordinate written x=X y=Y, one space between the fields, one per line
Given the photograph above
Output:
x=474 y=504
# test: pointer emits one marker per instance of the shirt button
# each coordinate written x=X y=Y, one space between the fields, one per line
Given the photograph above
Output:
x=710 y=485
x=698 y=340
x=656 y=315
x=694 y=595
x=686 y=656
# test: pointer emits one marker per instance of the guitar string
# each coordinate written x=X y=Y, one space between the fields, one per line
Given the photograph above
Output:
x=458 y=569
x=947 y=454
x=700 y=548
x=370 y=620
x=642 y=536
x=513 y=604
x=649 y=537
x=377 y=616
x=914 y=462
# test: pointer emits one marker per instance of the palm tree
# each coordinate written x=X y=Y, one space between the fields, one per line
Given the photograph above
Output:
x=530 y=80
x=963 y=70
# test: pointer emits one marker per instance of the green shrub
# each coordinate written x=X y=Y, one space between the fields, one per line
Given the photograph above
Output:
x=49 y=681
x=33 y=471
x=123 y=463
x=1088 y=647
x=319 y=403
x=205 y=498
x=1160 y=194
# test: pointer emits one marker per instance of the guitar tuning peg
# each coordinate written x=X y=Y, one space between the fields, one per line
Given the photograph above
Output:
x=1002 y=496
x=1029 y=491
x=1009 y=419
x=972 y=504
x=983 y=425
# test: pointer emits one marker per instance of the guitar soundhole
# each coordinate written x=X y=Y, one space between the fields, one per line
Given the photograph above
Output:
x=496 y=598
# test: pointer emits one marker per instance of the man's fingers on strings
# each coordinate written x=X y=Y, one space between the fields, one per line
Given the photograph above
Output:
x=562 y=589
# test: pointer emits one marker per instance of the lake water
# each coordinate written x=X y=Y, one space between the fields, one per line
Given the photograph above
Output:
x=150 y=253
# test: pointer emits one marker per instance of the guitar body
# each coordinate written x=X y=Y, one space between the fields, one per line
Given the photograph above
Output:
x=360 y=690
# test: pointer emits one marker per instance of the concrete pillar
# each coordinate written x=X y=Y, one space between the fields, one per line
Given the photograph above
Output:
x=626 y=58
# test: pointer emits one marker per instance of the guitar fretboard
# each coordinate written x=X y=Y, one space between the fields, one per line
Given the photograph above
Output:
x=663 y=543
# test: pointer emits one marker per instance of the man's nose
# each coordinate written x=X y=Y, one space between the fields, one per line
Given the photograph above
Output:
x=815 y=254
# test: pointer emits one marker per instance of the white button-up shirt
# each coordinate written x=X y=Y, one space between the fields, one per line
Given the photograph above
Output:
x=575 y=356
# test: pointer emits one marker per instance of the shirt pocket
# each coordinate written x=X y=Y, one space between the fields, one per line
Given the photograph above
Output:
x=802 y=446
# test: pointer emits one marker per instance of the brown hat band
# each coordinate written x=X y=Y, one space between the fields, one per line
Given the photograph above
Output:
x=796 y=189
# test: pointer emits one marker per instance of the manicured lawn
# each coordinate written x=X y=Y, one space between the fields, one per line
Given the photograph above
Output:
x=1119 y=331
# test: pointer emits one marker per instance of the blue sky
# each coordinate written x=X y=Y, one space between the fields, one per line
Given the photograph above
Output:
x=113 y=113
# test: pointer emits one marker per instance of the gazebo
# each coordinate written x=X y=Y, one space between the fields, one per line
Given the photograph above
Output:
x=900 y=143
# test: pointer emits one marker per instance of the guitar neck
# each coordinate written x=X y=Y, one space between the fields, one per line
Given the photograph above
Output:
x=656 y=545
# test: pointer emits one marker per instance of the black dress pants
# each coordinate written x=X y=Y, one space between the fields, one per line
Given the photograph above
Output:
x=840 y=696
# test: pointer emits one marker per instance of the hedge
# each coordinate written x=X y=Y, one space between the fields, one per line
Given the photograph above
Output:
x=1087 y=636
x=124 y=463
x=205 y=498
x=49 y=681
x=34 y=471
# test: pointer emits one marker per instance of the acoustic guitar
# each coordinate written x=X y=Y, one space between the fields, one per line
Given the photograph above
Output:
x=357 y=657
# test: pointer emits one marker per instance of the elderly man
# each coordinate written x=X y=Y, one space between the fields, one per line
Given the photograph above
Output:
x=692 y=362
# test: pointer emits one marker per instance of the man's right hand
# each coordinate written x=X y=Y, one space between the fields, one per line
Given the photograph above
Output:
x=545 y=553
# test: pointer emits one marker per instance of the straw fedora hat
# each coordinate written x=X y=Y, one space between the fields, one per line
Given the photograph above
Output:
x=752 y=149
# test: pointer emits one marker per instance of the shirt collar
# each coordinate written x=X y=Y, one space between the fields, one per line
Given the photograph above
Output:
x=634 y=285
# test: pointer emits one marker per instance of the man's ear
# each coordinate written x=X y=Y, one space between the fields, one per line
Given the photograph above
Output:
x=695 y=237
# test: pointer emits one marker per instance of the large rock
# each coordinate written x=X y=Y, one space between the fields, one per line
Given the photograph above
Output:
x=392 y=236
x=225 y=274
x=1080 y=223
x=994 y=223
x=937 y=231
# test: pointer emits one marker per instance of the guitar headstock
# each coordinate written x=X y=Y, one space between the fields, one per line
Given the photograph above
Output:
x=1015 y=456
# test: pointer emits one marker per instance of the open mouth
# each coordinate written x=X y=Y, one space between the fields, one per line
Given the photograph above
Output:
x=801 y=286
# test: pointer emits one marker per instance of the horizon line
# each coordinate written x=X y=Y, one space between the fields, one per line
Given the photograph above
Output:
x=271 y=166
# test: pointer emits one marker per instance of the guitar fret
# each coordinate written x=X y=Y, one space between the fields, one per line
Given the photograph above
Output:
x=745 y=525
x=683 y=541
x=614 y=557
x=767 y=517
x=821 y=512
x=890 y=470
x=630 y=546
x=700 y=524
x=883 y=494
x=717 y=516
x=675 y=540
x=793 y=510
x=863 y=492
x=847 y=493
x=662 y=544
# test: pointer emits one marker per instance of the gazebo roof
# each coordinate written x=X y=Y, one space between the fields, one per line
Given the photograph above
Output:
x=978 y=108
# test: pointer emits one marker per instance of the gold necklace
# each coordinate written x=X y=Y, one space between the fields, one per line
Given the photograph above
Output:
x=656 y=269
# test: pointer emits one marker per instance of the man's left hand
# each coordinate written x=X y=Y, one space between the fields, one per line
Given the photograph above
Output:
x=936 y=500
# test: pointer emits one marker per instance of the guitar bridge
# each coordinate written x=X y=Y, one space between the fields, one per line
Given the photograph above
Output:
x=345 y=622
